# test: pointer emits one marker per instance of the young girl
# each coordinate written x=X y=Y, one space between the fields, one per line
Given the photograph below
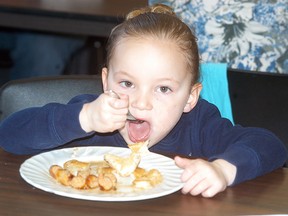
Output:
x=153 y=64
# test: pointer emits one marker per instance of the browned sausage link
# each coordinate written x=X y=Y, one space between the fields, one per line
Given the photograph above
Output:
x=155 y=176
x=53 y=170
x=139 y=172
x=92 y=181
x=78 y=182
x=64 y=176
x=113 y=179
x=106 y=182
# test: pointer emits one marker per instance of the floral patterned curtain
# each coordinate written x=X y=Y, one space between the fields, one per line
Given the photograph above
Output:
x=250 y=35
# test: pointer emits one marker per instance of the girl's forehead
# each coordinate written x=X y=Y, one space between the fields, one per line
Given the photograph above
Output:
x=145 y=50
x=151 y=49
x=149 y=57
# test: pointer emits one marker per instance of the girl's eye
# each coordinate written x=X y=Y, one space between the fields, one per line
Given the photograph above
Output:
x=164 y=89
x=126 y=84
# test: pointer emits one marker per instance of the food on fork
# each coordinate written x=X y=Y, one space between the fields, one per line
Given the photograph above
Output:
x=112 y=173
x=139 y=147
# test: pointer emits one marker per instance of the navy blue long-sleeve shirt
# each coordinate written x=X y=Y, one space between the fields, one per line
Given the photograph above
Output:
x=199 y=133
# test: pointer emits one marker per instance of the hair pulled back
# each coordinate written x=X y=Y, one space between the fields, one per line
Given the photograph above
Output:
x=159 y=22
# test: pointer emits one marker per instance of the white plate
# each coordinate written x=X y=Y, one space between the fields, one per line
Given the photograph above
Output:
x=35 y=171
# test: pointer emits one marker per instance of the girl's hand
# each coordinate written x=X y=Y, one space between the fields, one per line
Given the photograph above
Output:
x=105 y=114
x=205 y=178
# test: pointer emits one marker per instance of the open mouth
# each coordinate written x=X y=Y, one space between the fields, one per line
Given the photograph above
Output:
x=138 y=131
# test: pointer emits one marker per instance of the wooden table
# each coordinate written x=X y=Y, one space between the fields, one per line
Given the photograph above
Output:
x=83 y=17
x=265 y=195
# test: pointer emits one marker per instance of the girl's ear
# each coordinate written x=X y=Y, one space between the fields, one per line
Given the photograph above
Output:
x=105 y=79
x=193 y=97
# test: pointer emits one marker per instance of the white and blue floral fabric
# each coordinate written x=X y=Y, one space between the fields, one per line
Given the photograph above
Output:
x=245 y=34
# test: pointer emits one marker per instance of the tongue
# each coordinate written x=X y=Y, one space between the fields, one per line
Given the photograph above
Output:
x=139 y=131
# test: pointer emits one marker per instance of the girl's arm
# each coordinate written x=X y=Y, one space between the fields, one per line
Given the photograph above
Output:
x=36 y=129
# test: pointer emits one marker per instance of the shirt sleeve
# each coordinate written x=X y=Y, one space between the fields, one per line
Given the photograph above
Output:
x=254 y=151
x=33 y=130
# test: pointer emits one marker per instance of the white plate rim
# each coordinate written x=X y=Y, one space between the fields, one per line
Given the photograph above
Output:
x=35 y=171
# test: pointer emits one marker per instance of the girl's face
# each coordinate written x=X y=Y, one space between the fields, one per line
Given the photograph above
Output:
x=154 y=75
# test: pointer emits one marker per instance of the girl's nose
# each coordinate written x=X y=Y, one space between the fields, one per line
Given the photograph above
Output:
x=141 y=101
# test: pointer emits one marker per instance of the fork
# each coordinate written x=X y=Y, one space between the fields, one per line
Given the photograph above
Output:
x=130 y=117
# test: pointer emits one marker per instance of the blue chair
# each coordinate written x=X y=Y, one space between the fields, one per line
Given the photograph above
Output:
x=215 y=87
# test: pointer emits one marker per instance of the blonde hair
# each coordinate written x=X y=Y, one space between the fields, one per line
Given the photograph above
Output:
x=158 y=21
